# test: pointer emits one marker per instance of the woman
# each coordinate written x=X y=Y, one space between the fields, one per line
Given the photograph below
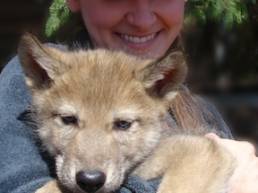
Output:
x=147 y=28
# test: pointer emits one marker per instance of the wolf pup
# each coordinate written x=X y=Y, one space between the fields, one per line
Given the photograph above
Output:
x=100 y=114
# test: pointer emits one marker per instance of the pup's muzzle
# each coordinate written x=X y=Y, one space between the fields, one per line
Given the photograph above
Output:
x=91 y=180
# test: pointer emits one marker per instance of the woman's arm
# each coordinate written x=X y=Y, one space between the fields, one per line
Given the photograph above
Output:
x=193 y=112
x=22 y=167
x=245 y=177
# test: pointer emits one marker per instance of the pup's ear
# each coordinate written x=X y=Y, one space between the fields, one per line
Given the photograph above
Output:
x=41 y=64
x=162 y=78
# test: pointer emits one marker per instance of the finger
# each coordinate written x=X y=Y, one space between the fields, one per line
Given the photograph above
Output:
x=225 y=142
x=212 y=136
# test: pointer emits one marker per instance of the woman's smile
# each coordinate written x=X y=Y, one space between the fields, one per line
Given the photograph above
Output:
x=138 y=42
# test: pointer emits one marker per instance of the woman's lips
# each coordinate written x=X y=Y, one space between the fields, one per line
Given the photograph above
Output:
x=138 y=42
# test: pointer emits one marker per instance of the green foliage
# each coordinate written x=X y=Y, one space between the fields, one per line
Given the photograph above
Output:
x=229 y=12
x=58 y=15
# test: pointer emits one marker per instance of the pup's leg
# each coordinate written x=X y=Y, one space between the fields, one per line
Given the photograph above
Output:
x=196 y=165
x=50 y=187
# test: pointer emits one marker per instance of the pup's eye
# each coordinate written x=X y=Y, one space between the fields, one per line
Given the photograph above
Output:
x=69 y=120
x=122 y=124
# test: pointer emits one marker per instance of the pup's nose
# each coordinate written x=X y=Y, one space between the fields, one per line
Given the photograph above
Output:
x=90 y=181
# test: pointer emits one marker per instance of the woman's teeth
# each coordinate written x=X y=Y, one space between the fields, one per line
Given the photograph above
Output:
x=137 y=39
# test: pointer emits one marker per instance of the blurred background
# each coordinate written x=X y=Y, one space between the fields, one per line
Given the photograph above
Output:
x=223 y=60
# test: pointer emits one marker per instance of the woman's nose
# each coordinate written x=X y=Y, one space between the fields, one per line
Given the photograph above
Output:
x=142 y=15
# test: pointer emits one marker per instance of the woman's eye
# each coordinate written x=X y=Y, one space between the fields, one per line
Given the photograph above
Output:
x=122 y=124
x=69 y=120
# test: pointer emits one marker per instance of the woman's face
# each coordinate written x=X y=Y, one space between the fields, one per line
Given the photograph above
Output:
x=141 y=27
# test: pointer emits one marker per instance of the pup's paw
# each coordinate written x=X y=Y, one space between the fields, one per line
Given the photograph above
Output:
x=50 y=187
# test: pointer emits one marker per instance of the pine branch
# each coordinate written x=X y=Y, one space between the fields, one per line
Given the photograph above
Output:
x=58 y=15
x=229 y=12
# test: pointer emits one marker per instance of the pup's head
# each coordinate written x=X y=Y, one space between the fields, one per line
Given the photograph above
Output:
x=99 y=112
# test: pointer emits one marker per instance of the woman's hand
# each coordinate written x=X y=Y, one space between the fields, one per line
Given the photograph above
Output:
x=245 y=177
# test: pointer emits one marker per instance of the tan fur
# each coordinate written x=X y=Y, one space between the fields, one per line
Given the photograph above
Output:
x=100 y=87
x=51 y=187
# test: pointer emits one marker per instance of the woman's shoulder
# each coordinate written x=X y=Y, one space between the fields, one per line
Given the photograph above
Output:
x=12 y=68
x=213 y=117
x=192 y=111
x=22 y=168
x=14 y=95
